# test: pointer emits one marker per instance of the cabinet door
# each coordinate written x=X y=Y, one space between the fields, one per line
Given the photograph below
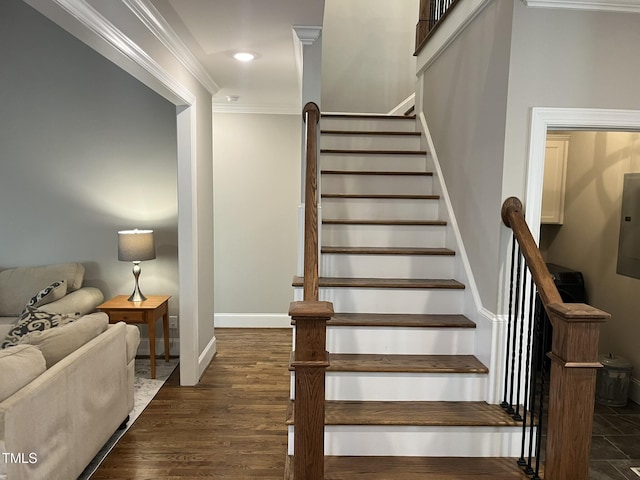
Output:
x=555 y=173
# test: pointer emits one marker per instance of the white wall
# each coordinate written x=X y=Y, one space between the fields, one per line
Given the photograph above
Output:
x=367 y=54
x=595 y=172
x=256 y=195
x=85 y=150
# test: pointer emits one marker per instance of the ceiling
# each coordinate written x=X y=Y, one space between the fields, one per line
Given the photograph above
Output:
x=215 y=30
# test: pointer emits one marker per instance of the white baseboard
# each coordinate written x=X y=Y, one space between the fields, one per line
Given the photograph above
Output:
x=252 y=320
x=206 y=356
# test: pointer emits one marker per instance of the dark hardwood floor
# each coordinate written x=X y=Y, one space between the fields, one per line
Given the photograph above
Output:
x=230 y=426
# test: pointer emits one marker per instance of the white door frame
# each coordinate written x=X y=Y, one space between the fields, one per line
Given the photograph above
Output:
x=543 y=119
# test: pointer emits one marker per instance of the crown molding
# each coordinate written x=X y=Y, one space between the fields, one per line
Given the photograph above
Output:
x=94 y=22
x=258 y=109
x=629 y=6
x=156 y=23
x=307 y=34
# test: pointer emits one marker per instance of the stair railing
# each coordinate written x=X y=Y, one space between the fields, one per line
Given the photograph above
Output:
x=310 y=358
x=432 y=13
x=573 y=361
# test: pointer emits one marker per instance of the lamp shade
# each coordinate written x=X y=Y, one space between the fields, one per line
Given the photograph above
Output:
x=136 y=245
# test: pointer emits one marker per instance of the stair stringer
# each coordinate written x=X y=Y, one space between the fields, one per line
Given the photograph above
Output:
x=490 y=332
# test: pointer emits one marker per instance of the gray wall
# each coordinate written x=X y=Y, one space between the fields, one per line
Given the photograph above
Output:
x=566 y=58
x=256 y=195
x=464 y=102
x=367 y=54
x=85 y=150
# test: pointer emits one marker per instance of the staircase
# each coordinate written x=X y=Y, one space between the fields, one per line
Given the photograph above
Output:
x=404 y=390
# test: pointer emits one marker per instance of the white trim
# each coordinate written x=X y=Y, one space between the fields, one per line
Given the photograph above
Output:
x=206 y=357
x=258 y=109
x=252 y=320
x=543 y=119
x=457 y=20
x=628 y=6
x=156 y=23
x=103 y=28
x=308 y=34
x=403 y=106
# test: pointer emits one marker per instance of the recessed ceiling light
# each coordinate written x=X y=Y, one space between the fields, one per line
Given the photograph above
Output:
x=244 y=56
x=232 y=98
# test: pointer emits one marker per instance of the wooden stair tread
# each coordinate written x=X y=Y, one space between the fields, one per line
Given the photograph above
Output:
x=348 y=151
x=369 y=132
x=414 y=468
x=424 y=414
x=399 y=320
x=418 y=283
x=426 y=283
x=391 y=222
x=368 y=116
x=376 y=362
x=381 y=196
x=376 y=172
x=388 y=251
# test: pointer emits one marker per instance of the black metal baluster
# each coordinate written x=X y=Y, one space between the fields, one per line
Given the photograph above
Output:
x=525 y=280
x=545 y=332
x=537 y=356
x=510 y=409
x=505 y=403
x=528 y=420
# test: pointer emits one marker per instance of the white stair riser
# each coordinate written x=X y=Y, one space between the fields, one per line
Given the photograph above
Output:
x=378 y=124
x=400 y=340
x=379 y=209
x=403 y=387
x=383 y=235
x=385 y=440
x=379 y=184
x=376 y=163
x=370 y=142
x=386 y=266
x=392 y=300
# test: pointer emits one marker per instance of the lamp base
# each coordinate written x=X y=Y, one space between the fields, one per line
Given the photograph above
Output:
x=137 y=295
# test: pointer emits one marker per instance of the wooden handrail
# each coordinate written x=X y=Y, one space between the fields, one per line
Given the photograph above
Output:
x=310 y=358
x=574 y=361
x=311 y=114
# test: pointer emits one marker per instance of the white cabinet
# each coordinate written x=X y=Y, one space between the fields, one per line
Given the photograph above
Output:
x=555 y=176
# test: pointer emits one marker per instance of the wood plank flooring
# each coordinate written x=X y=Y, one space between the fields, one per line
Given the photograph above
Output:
x=230 y=426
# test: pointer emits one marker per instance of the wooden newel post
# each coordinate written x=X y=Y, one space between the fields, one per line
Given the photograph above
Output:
x=574 y=363
x=309 y=364
x=422 y=28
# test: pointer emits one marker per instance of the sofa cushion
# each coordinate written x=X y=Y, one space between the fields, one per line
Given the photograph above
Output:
x=48 y=294
x=17 y=285
x=19 y=365
x=32 y=320
x=57 y=343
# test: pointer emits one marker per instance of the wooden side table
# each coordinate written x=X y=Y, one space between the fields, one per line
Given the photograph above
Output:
x=120 y=309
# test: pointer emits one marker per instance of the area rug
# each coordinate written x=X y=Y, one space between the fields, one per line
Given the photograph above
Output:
x=145 y=388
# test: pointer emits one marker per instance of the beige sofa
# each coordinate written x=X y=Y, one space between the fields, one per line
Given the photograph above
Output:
x=65 y=390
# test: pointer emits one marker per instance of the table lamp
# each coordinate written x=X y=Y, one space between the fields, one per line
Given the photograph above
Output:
x=136 y=246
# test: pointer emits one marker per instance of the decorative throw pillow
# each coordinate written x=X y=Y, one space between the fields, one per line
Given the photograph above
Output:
x=32 y=320
x=49 y=294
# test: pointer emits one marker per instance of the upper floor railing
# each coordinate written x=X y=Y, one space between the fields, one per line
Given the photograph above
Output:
x=432 y=13
x=573 y=361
